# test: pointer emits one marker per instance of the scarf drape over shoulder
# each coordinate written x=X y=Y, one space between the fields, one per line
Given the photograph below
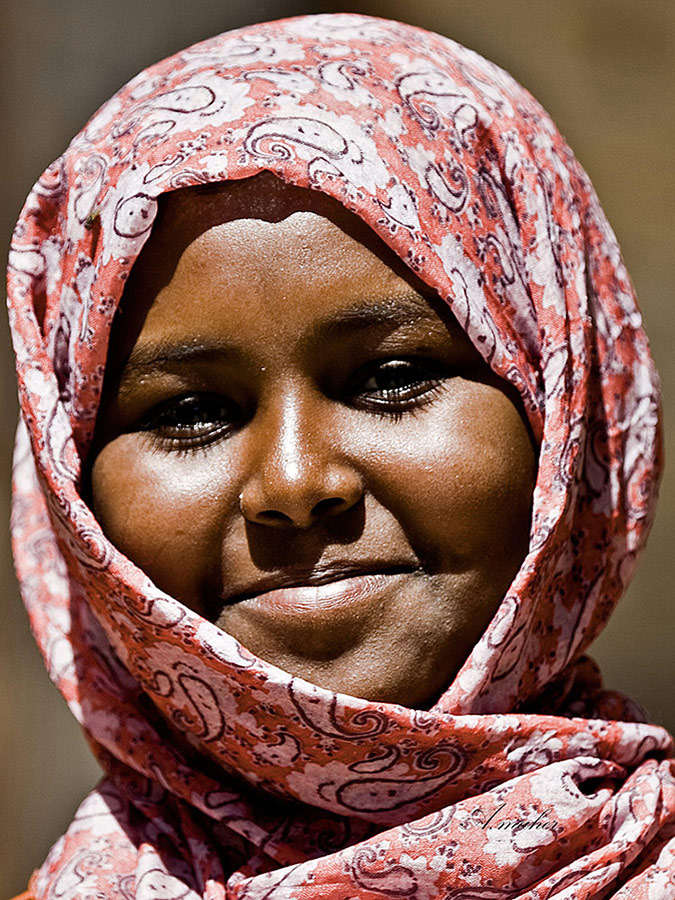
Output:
x=226 y=777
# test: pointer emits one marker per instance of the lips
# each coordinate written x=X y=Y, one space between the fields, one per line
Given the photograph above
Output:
x=334 y=595
x=329 y=588
x=316 y=576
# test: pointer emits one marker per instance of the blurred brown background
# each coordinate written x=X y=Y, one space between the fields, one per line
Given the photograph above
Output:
x=605 y=70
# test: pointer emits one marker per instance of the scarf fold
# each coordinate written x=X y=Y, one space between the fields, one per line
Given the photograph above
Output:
x=227 y=777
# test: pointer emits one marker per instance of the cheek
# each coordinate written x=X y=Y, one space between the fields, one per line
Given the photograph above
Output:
x=460 y=478
x=165 y=512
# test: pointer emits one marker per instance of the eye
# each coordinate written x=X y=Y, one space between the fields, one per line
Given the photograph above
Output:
x=396 y=385
x=191 y=420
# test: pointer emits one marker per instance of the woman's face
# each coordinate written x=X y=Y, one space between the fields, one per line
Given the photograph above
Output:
x=299 y=442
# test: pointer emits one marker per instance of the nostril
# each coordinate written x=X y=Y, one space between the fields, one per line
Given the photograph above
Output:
x=328 y=506
x=273 y=517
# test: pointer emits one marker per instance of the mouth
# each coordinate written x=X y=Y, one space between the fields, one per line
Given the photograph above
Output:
x=320 y=589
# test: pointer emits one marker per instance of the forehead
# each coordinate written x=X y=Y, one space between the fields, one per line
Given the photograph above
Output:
x=226 y=254
x=185 y=215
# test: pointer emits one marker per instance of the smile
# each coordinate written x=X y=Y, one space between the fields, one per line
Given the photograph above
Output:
x=326 y=591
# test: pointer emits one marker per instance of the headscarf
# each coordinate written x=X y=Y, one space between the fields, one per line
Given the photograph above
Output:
x=225 y=776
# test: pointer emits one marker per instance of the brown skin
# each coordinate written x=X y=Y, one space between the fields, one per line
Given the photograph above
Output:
x=287 y=405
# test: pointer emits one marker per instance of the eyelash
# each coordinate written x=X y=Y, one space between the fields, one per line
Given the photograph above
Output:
x=401 y=400
x=203 y=408
x=425 y=379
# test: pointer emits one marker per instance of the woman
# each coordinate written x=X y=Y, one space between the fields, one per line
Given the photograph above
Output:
x=316 y=562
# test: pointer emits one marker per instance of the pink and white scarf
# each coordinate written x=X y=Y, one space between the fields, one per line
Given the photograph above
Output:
x=226 y=777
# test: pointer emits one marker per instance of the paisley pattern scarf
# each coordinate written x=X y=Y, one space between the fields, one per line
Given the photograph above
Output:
x=226 y=777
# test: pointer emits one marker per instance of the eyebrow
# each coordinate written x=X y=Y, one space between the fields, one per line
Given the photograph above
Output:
x=395 y=312
x=169 y=354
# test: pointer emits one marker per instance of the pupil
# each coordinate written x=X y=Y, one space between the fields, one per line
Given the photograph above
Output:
x=394 y=376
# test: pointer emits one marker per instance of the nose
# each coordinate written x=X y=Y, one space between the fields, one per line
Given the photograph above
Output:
x=298 y=477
